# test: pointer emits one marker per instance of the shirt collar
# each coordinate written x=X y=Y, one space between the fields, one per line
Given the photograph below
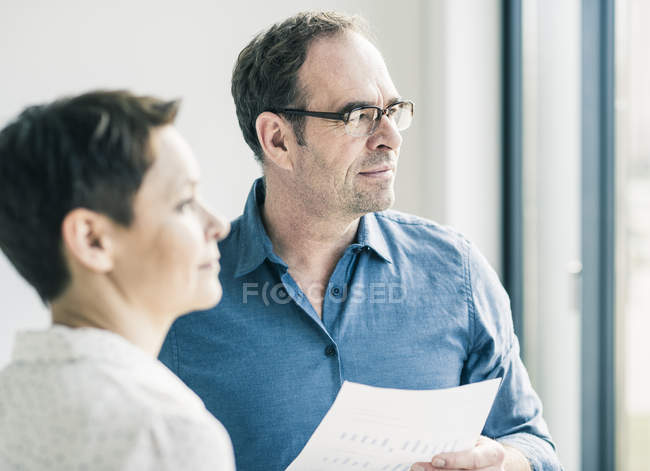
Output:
x=62 y=343
x=255 y=245
x=371 y=235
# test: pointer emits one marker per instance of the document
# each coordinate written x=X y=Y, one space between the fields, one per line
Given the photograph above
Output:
x=381 y=429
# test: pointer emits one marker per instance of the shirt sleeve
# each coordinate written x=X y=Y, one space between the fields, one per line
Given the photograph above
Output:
x=516 y=416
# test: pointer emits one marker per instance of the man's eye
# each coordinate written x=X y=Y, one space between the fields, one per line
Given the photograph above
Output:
x=366 y=115
x=362 y=116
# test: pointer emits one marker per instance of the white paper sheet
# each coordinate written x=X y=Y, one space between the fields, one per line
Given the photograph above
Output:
x=381 y=429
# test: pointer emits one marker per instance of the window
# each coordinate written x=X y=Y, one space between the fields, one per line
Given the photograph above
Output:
x=632 y=114
x=551 y=133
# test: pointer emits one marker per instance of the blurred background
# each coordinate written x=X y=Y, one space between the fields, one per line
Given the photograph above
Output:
x=531 y=136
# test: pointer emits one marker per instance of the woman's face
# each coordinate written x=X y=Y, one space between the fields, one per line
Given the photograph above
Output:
x=166 y=261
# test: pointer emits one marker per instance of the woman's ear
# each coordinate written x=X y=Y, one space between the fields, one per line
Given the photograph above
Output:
x=87 y=238
x=276 y=138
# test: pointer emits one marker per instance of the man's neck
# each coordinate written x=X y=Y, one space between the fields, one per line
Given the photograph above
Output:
x=310 y=244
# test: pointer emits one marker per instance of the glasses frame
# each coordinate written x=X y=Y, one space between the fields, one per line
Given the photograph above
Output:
x=345 y=117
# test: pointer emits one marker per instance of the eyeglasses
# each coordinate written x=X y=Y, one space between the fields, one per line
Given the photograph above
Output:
x=363 y=121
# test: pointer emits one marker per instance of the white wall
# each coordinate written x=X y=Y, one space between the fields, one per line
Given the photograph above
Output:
x=471 y=123
x=444 y=54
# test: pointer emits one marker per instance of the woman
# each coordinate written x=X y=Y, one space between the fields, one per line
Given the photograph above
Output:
x=99 y=212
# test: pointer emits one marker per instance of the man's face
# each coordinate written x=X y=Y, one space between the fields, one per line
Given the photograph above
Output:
x=337 y=173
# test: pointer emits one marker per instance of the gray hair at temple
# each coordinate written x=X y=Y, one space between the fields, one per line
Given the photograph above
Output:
x=265 y=76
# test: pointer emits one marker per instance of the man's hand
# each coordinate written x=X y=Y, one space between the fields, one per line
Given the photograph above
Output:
x=487 y=455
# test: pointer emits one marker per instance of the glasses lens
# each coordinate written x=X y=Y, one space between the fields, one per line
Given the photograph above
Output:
x=401 y=114
x=364 y=121
x=361 y=121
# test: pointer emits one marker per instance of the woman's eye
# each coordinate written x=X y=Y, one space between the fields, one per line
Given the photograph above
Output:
x=185 y=205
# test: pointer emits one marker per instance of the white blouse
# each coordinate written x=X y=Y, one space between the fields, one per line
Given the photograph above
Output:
x=87 y=399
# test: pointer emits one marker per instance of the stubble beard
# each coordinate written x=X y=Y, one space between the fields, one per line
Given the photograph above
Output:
x=368 y=196
x=363 y=201
x=350 y=198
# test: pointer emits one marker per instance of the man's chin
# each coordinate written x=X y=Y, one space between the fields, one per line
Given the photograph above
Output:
x=375 y=203
x=383 y=206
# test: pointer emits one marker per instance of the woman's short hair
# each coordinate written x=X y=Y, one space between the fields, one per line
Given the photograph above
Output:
x=89 y=151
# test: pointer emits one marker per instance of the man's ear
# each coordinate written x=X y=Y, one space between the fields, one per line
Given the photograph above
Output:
x=87 y=237
x=276 y=138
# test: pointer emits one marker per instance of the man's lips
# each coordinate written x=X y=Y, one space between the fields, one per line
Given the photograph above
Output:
x=377 y=171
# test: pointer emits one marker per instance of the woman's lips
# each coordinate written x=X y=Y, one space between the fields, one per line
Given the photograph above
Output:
x=211 y=265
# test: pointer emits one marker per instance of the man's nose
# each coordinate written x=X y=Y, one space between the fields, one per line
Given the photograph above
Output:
x=386 y=135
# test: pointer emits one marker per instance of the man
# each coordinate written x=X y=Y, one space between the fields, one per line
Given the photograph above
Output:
x=322 y=284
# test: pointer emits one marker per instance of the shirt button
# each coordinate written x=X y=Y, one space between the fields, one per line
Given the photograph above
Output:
x=336 y=291
x=330 y=350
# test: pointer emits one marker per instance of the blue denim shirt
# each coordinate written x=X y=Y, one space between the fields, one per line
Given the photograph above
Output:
x=409 y=305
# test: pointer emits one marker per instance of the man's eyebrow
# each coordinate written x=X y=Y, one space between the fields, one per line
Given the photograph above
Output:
x=359 y=104
x=349 y=106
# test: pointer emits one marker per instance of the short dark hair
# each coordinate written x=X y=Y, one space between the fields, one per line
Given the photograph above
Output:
x=265 y=76
x=89 y=151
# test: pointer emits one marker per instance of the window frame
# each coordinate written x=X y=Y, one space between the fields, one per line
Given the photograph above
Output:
x=598 y=236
